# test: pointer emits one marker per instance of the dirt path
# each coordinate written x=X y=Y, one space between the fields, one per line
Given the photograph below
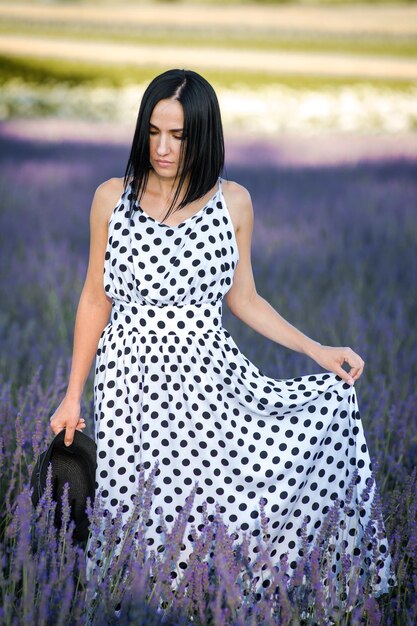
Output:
x=393 y=20
x=278 y=63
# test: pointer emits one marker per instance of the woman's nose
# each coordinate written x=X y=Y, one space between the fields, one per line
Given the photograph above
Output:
x=162 y=146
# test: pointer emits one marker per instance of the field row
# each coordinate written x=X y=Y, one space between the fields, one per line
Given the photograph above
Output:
x=273 y=109
x=367 y=42
x=364 y=19
x=271 y=62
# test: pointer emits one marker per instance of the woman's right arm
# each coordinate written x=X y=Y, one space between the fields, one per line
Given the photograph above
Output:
x=92 y=313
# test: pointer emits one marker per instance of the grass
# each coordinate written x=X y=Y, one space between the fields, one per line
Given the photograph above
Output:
x=230 y=37
x=53 y=71
x=236 y=38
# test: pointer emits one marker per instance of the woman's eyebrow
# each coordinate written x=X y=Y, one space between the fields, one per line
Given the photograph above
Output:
x=172 y=130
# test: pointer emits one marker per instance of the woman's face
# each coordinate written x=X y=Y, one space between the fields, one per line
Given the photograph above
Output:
x=166 y=130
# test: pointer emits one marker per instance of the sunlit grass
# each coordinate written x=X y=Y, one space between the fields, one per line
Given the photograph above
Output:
x=54 y=71
x=228 y=38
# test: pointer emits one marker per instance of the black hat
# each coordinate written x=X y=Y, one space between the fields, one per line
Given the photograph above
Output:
x=74 y=464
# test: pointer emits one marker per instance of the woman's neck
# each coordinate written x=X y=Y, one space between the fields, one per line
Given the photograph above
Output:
x=163 y=190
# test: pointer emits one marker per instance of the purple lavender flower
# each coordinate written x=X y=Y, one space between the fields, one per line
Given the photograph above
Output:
x=365 y=207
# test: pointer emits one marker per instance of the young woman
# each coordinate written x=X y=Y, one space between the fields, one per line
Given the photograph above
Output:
x=170 y=383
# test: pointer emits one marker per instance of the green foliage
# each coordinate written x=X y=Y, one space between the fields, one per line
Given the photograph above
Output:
x=52 y=72
x=228 y=37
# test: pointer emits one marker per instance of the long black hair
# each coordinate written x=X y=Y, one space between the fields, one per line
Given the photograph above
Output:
x=202 y=148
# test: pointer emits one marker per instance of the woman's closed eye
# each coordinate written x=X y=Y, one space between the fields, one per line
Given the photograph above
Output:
x=178 y=137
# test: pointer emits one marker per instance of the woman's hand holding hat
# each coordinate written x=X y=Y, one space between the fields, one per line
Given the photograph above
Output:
x=74 y=466
x=67 y=416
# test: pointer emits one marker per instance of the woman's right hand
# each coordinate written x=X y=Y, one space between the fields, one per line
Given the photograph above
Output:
x=67 y=416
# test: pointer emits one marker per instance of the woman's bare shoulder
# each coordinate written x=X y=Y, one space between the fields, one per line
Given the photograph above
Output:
x=106 y=197
x=239 y=202
x=235 y=192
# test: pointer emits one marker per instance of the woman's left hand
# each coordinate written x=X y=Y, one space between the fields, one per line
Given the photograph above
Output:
x=332 y=359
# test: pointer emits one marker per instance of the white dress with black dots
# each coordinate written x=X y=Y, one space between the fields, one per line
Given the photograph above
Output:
x=172 y=386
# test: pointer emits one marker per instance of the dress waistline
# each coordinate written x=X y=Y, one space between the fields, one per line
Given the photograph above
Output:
x=167 y=319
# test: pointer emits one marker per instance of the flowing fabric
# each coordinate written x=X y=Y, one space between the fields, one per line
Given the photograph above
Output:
x=172 y=386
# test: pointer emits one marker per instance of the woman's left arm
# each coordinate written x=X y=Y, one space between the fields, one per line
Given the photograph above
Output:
x=246 y=304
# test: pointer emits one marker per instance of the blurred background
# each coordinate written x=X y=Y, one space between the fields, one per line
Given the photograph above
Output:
x=278 y=66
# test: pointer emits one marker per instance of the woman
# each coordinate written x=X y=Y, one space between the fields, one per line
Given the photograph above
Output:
x=170 y=383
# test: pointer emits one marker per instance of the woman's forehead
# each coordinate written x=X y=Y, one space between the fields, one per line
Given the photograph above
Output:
x=168 y=112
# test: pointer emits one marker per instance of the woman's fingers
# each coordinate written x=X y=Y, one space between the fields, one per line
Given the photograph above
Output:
x=69 y=435
x=333 y=359
x=70 y=431
x=57 y=426
x=355 y=362
x=67 y=417
x=356 y=372
x=344 y=374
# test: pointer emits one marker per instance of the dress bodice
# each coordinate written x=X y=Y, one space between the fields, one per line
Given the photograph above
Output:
x=151 y=263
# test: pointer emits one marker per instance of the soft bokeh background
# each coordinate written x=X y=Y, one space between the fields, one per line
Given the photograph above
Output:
x=319 y=103
x=277 y=66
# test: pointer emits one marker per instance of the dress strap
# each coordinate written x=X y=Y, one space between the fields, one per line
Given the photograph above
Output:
x=220 y=183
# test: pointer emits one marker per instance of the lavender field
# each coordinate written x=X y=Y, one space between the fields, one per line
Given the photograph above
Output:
x=334 y=251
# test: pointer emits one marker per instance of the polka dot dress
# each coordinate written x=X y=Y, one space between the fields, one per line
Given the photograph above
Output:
x=172 y=386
